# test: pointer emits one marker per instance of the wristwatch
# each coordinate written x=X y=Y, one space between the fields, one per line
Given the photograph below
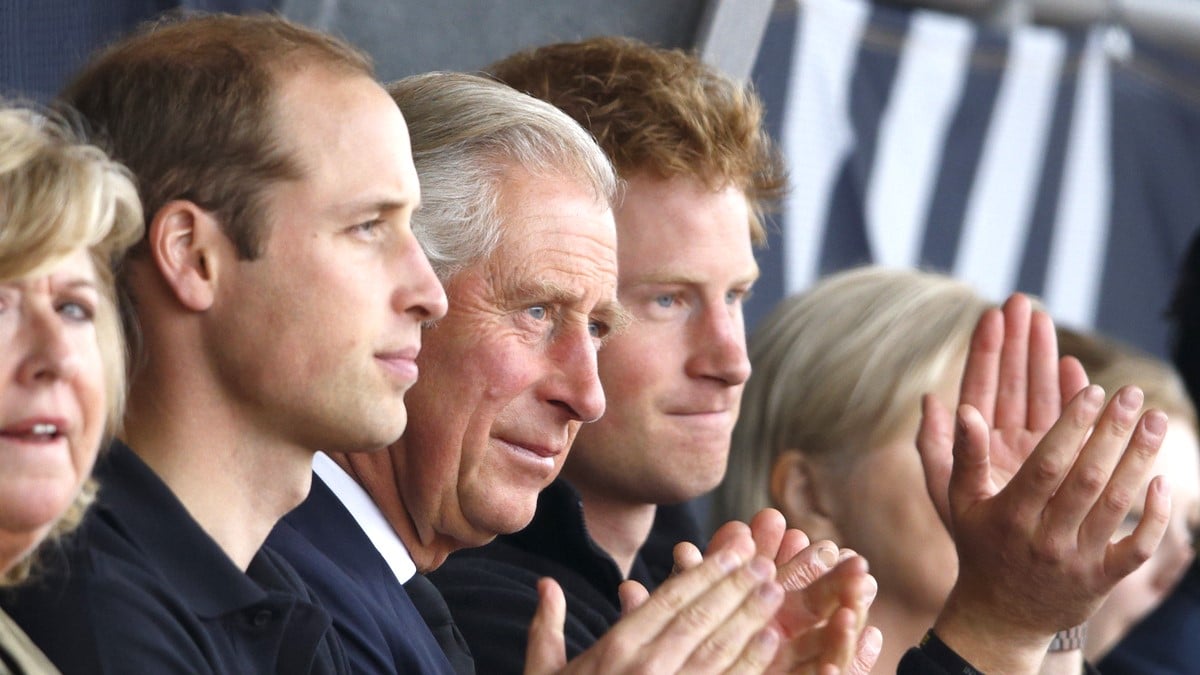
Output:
x=1069 y=640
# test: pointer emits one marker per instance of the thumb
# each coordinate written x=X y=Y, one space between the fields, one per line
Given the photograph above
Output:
x=546 y=651
x=970 y=477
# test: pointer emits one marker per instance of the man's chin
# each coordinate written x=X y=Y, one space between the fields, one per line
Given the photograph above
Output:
x=682 y=489
x=505 y=519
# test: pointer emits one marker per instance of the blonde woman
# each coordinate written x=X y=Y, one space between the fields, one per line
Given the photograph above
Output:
x=67 y=213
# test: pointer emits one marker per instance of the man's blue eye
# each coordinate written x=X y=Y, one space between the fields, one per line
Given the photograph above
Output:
x=538 y=312
x=664 y=300
x=738 y=295
x=368 y=227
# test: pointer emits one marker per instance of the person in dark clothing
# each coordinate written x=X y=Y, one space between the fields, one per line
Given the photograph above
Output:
x=278 y=297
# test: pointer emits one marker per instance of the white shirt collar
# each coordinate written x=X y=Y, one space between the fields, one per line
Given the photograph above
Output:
x=367 y=515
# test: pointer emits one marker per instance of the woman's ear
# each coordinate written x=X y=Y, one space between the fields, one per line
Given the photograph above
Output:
x=796 y=491
x=181 y=240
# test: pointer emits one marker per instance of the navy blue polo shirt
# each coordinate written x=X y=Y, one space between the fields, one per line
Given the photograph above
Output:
x=141 y=588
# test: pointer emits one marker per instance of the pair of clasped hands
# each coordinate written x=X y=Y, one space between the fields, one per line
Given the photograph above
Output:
x=1031 y=475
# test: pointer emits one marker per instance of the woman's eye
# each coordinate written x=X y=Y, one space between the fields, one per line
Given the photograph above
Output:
x=76 y=311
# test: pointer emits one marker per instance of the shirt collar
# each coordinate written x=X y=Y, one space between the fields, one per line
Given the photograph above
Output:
x=190 y=561
x=367 y=515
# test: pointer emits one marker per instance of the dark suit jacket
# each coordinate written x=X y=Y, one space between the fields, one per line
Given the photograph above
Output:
x=381 y=630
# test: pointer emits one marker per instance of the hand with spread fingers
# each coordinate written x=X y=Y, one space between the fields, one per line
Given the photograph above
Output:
x=1014 y=379
x=828 y=593
x=713 y=618
x=1034 y=492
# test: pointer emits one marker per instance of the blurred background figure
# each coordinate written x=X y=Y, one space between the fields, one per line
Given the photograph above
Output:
x=1111 y=365
x=828 y=423
x=1164 y=643
x=67 y=213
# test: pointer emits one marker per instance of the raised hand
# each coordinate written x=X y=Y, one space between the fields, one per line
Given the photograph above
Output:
x=1015 y=380
x=823 y=617
x=1035 y=555
x=713 y=618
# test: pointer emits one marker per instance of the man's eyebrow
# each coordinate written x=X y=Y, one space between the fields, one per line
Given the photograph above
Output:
x=687 y=279
x=544 y=290
x=378 y=205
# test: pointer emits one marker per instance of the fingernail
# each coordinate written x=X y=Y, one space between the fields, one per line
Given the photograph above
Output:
x=1156 y=423
x=827 y=556
x=762 y=569
x=1131 y=398
x=728 y=561
x=1163 y=486
x=1094 y=394
x=871 y=592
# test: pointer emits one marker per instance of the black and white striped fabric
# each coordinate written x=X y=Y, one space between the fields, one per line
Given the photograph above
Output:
x=1063 y=164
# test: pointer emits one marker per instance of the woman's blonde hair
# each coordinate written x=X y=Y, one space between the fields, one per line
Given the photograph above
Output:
x=840 y=368
x=58 y=194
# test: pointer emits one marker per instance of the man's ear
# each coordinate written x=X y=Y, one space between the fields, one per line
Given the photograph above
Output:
x=183 y=240
x=797 y=491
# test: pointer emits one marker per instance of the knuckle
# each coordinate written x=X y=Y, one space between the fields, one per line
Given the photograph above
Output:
x=669 y=599
x=1143 y=550
x=619 y=651
x=718 y=648
x=1091 y=479
x=1084 y=416
x=799 y=577
x=1133 y=555
x=1159 y=518
x=694 y=617
x=648 y=667
x=1046 y=471
x=1051 y=550
x=1118 y=501
x=1121 y=423
x=1143 y=449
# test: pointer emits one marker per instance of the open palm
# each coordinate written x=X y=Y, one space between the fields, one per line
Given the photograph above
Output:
x=1014 y=378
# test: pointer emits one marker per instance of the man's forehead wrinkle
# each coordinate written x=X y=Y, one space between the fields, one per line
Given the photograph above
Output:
x=544 y=260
